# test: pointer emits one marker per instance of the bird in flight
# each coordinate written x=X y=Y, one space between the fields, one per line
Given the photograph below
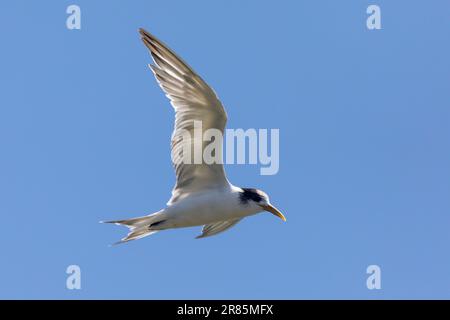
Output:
x=202 y=195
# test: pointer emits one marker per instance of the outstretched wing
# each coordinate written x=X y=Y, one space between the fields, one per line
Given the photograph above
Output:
x=193 y=100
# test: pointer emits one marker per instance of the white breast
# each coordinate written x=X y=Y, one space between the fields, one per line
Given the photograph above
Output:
x=208 y=207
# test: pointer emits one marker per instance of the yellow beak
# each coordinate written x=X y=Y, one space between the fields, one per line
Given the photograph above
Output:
x=274 y=211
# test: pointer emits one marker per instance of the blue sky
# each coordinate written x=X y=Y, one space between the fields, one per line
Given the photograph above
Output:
x=364 y=148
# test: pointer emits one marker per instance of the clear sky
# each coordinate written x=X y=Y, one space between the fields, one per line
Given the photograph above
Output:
x=364 y=148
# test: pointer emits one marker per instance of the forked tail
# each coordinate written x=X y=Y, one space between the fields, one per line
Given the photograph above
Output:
x=139 y=227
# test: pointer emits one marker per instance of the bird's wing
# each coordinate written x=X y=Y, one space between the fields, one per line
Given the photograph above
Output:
x=217 y=227
x=193 y=100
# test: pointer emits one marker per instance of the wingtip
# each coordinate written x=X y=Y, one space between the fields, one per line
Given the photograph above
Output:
x=145 y=34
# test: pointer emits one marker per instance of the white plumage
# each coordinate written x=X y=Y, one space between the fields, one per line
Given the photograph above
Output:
x=202 y=194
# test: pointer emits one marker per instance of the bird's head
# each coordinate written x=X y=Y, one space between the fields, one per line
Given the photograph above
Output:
x=259 y=198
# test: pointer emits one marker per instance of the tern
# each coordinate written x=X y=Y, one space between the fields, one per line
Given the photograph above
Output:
x=202 y=195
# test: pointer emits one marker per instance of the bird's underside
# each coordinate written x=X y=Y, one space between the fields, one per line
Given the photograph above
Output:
x=202 y=194
x=217 y=210
x=208 y=230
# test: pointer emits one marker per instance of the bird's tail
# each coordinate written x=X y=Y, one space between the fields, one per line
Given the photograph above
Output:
x=139 y=227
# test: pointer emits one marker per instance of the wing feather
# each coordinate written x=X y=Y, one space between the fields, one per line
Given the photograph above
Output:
x=192 y=100
x=217 y=227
